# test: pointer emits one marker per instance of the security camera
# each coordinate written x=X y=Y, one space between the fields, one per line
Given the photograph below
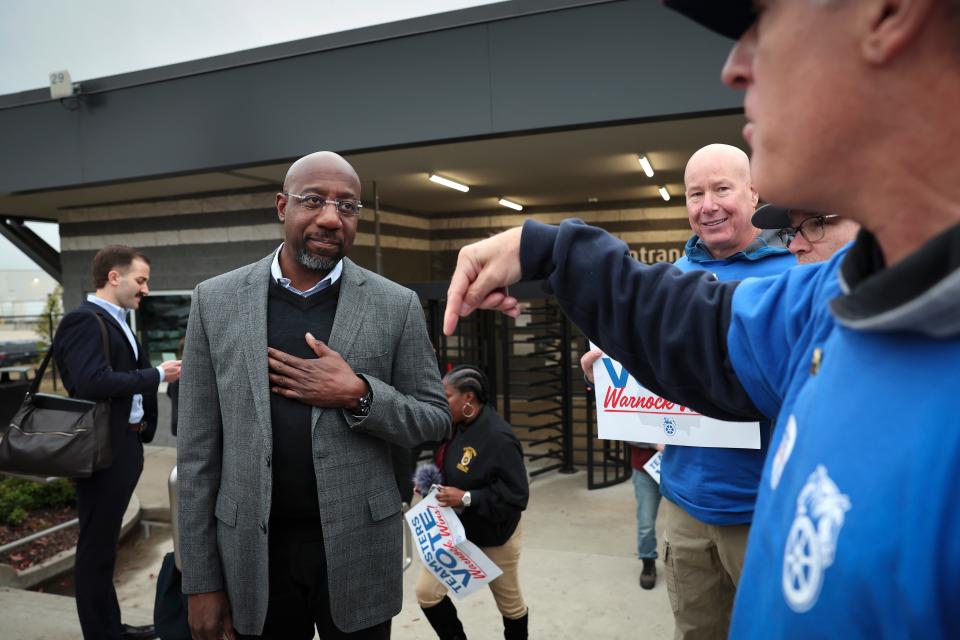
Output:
x=60 y=85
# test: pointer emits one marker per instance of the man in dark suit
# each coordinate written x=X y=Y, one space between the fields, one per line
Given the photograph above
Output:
x=120 y=275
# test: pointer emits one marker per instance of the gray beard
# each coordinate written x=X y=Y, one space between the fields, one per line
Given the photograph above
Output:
x=316 y=263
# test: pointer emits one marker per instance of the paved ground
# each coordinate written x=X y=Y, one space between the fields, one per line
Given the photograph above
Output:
x=27 y=615
x=579 y=571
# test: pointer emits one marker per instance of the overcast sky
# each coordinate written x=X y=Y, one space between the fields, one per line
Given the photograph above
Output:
x=96 y=38
x=10 y=256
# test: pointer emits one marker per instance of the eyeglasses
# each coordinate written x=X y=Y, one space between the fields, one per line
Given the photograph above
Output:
x=311 y=202
x=811 y=229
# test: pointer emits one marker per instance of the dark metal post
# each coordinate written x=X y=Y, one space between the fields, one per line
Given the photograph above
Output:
x=488 y=349
x=378 y=256
x=566 y=390
x=591 y=433
x=53 y=361
x=506 y=346
x=435 y=319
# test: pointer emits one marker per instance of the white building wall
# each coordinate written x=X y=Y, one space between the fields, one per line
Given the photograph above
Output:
x=23 y=292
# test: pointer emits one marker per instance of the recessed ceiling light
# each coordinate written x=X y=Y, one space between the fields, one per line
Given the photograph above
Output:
x=664 y=193
x=449 y=183
x=645 y=165
x=593 y=200
x=510 y=205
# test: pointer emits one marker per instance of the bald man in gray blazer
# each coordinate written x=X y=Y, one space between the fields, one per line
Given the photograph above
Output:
x=299 y=371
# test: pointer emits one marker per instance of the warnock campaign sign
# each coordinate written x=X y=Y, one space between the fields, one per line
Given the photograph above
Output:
x=444 y=549
x=628 y=411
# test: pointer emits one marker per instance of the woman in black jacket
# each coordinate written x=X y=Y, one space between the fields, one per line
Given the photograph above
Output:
x=484 y=475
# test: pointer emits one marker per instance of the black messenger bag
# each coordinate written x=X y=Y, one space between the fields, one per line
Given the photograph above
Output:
x=55 y=436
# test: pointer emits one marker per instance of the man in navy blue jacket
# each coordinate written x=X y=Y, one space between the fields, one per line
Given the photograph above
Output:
x=120 y=276
x=857 y=357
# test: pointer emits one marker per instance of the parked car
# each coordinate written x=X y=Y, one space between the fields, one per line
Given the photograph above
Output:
x=20 y=352
x=14 y=384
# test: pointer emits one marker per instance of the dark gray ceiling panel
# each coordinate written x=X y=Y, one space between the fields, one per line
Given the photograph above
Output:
x=576 y=66
x=617 y=61
x=39 y=147
x=386 y=93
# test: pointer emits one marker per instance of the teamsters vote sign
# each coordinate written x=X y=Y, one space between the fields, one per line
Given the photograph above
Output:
x=628 y=411
x=444 y=549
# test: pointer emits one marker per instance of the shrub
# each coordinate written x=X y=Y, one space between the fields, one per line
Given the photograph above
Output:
x=18 y=497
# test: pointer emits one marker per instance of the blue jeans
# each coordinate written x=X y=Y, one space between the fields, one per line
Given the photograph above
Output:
x=647 y=492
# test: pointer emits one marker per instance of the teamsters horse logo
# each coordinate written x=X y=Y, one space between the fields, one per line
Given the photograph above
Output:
x=469 y=453
x=812 y=541
x=669 y=426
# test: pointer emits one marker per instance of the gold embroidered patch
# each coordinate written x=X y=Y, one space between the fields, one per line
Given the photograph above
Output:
x=815 y=361
x=469 y=453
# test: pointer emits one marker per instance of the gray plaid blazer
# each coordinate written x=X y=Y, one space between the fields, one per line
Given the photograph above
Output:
x=225 y=440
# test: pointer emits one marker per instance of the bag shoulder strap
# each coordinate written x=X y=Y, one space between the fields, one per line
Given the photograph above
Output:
x=104 y=340
x=35 y=385
x=104 y=343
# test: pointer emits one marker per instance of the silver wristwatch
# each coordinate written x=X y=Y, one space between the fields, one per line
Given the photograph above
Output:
x=466 y=498
x=363 y=408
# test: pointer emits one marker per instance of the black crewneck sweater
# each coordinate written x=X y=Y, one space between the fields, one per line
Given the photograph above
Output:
x=289 y=317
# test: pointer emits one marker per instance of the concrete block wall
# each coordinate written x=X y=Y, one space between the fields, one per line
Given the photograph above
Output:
x=654 y=234
x=191 y=239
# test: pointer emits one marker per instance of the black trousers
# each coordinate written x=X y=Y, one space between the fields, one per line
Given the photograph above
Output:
x=299 y=595
x=102 y=499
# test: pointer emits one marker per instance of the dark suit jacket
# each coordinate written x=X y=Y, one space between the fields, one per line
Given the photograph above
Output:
x=86 y=374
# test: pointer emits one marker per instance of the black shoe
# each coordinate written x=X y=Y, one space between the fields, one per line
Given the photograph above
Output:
x=146 y=632
x=648 y=577
x=516 y=629
x=443 y=618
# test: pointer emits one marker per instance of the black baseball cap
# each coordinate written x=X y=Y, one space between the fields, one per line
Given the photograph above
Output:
x=730 y=18
x=770 y=216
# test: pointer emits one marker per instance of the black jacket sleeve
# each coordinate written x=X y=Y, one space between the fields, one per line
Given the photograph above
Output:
x=505 y=497
x=667 y=327
x=78 y=350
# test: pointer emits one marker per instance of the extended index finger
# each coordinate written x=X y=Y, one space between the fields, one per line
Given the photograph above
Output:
x=459 y=283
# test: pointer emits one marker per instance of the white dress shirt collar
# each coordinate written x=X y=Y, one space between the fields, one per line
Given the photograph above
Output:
x=284 y=282
x=116 y=312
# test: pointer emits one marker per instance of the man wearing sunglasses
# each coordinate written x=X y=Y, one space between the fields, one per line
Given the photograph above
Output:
x=302 y=369
x=812 y=237
x=851 y=106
